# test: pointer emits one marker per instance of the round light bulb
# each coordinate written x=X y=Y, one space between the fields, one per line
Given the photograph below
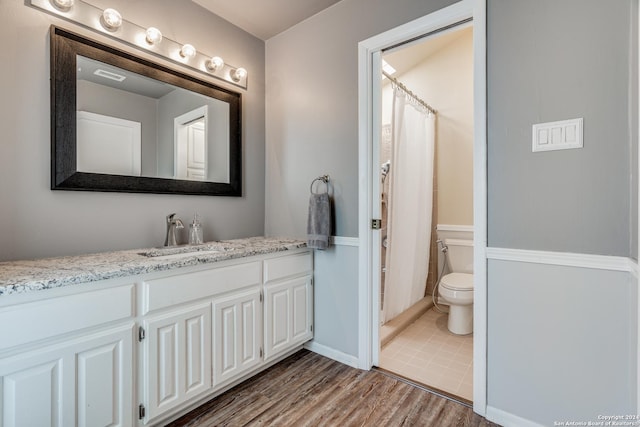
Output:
x=239 y=74
x=188 y=51
x=154 y=36
x=63 y=4
x=215 y=63
x=111 y=19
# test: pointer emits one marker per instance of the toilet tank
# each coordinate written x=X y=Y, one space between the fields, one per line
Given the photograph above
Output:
x=459 y=255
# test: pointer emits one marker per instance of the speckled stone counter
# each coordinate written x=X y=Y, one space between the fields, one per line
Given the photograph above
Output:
x=33 y=275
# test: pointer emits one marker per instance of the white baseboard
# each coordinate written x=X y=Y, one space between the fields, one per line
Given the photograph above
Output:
x=331 y=353
x=508 y=420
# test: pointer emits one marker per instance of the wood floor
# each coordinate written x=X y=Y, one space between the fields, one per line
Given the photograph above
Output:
x=310 y=390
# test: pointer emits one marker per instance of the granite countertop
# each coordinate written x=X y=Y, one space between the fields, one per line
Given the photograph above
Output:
x=38 y=274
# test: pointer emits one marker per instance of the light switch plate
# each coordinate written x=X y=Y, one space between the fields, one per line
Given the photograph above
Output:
x=560 y=135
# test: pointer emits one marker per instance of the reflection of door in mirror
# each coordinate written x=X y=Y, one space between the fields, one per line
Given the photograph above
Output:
x=190 y=148
x=107 y=144
x=155 y=105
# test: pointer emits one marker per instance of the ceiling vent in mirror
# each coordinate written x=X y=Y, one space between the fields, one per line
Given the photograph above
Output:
x=109 y=75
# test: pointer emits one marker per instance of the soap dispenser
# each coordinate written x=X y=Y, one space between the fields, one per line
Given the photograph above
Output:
x=195 y=232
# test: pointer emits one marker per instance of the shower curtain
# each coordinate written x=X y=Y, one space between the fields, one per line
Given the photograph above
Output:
x=409 y=206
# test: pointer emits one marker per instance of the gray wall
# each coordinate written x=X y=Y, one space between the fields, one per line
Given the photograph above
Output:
x=547 y=61
x=312 y=108
x=100 y=99
x=561 y=342
x=635 y=113
x=38 y=222
x=312 y=129
x=579 y=66
x=335 y=316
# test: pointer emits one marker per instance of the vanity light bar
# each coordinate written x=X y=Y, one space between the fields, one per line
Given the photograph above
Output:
x=153 y=35
x=111 y=19
x=109 y=22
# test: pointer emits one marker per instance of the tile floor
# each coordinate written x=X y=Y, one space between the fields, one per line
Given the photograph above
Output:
x=426 y=352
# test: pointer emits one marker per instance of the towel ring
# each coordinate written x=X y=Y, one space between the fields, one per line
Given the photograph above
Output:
x=323 y=178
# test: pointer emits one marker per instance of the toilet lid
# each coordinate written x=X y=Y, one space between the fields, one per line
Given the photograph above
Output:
x=458 y=281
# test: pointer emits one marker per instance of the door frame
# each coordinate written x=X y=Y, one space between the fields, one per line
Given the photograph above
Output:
x=369 y=125
x=637 y=178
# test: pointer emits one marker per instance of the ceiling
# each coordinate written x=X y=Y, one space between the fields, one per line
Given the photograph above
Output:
x=408 y=56
x=265 y=18
x=131 y=82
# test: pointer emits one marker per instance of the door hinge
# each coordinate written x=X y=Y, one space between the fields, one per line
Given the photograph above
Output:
x=141 y=411
x=376 y=224
x=260 y=352
x=141 y=333
x=311 y=328
x=261 y=296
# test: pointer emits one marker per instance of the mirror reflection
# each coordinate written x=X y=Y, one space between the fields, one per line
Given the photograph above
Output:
x=123 y=123
x=129 y=124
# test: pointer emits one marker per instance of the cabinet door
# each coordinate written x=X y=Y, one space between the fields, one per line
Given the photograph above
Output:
x=288 y=315
x=104 y=380
x=237 y=335
x=34 y=392
x=177 y=358
x=84 y=382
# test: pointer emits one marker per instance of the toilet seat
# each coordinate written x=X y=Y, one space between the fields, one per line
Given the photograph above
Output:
x=457 y=282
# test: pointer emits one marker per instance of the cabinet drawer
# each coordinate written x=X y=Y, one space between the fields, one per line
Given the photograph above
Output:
x=178 y=289
x=287 y=266
x=30 y=322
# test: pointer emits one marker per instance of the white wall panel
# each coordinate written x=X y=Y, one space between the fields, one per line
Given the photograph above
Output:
x=336 y=299
x=561 y=341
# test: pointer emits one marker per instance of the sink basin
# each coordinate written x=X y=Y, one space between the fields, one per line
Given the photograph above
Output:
x=185 y=251
x=179 y=255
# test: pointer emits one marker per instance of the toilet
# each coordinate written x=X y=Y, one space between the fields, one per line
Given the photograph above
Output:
x=456 y=287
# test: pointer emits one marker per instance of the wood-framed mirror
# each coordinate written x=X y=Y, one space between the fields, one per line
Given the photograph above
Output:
x=126 y=124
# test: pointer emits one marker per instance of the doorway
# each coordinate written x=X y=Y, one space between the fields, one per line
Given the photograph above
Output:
x=370 y=72
x=427 y=197
x=190 y=145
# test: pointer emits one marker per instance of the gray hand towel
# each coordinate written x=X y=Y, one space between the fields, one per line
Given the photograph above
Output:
x=319 y=221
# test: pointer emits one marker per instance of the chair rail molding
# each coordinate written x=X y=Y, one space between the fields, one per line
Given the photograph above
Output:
x=567 y=259
x=345 y=241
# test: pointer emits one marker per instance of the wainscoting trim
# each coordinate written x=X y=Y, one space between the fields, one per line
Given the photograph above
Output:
x=331 y=353
x=454 y=227
x=635 y=270
x=598 y=262
x=507 y=419
x=345 y=241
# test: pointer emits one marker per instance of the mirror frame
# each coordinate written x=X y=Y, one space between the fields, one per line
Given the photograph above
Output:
x=65 y=46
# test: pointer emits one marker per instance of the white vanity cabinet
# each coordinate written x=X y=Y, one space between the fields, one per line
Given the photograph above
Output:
x=181 y=314
x=83 y=382
x=68 y=360
x=208 y=329
x=288 y=306
x=141 y=350
x=237 y=335
x=176 y=358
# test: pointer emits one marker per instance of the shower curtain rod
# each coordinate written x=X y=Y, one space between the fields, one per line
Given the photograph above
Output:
x=411 y=94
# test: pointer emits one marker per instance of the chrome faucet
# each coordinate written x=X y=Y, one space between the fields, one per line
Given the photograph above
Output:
x=172 y=224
